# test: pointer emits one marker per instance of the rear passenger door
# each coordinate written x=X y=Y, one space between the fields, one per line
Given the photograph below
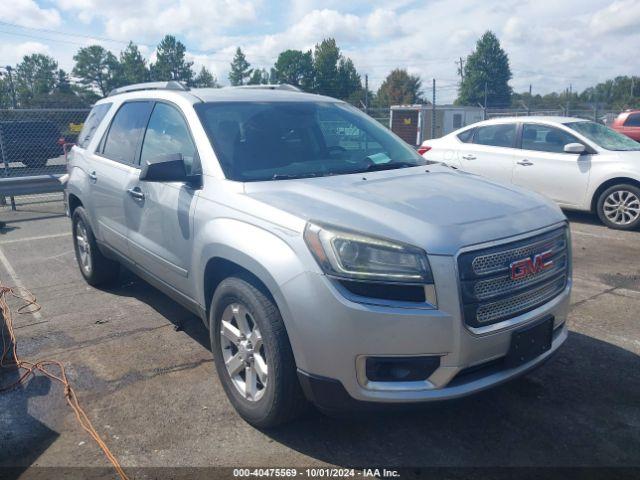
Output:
x=113 y=170
x=543 y=166
x=491 y=152
x=161 y=219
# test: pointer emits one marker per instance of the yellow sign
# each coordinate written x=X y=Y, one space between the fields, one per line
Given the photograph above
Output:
x=75 y=127
x=407 y=121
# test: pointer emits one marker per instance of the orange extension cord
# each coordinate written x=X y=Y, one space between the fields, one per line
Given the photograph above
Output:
x=10 y=359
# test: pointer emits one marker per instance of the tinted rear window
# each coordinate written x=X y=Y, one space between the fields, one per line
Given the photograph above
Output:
x=92 y=122
x=502 y=135
x=126 y=130
x=633 y=120
x=467 y=135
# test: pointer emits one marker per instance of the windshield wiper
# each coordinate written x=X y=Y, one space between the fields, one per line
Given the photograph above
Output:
x=375 y=167
x=290 y=176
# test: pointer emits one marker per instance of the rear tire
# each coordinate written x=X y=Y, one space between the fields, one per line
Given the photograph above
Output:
x=272 y=396
x=94 y=266
x=618 y=207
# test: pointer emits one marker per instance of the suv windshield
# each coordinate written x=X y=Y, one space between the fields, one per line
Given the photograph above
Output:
x=604 y=136
x=282 y=140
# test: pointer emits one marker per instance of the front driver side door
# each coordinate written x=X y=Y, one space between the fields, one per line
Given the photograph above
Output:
x=161 y=222
x=543 y=166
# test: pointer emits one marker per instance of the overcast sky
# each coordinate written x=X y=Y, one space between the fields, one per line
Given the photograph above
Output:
x=551 y=43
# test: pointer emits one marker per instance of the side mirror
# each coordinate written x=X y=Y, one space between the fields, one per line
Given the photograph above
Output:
x=574 y=148
x=164 y=168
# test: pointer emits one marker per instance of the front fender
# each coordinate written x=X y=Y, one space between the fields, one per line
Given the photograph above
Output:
x=263 y=253
x=596 y=183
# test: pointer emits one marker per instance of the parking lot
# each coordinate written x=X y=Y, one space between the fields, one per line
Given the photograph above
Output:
x=151 y=389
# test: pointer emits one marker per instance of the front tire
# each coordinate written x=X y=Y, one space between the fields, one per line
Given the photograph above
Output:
x=253 y=355
x=94 y=266
x=618 y=207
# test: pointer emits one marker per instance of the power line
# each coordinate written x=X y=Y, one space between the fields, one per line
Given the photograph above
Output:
x=70 y=34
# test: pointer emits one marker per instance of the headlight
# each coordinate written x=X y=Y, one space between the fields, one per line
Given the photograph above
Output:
x=352 y=255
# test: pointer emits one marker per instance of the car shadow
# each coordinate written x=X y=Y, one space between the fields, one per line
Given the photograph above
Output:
x=130 y=285
x=579 y=409
x=583 y=217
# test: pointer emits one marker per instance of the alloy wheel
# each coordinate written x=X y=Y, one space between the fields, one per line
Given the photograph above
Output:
x=243 y=352
x=621 y=207
x=83 y=246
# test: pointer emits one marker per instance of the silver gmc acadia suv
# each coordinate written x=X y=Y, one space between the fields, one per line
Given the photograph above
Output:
x=330 y=262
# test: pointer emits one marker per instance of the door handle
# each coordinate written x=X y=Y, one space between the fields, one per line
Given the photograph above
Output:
x=93 y=177
x=136 y=193
x=525 y=163
x=469 y=157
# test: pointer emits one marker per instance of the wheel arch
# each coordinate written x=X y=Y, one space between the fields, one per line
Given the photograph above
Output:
x=609 y=183
x=74 y=202
x=227 y=246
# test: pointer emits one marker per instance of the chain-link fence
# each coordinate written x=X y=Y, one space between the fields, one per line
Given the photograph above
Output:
x=586 y=112
x=32 y=146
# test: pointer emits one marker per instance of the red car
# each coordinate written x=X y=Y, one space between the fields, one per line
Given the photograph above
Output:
x=628 y=123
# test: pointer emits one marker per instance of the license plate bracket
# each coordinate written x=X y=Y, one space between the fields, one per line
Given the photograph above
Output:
x=530 y=342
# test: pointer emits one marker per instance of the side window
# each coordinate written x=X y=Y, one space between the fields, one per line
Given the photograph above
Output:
x=167 y=133
x=467 y=135
x=122 y=140
x=544 y=138
x=92 y=122
x=633 y=120
x=503 y=135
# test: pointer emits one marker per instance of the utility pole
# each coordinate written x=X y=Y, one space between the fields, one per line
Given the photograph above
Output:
x=13 y=90
x=433 y=111
x=529 y=89
x=485 y=95
x=461 y=69
x=366 y=93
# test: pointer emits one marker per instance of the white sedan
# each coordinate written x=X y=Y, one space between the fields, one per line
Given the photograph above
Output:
x=580 y=164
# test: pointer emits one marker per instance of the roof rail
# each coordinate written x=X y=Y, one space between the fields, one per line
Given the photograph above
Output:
x=171 y=85
x=280 y=86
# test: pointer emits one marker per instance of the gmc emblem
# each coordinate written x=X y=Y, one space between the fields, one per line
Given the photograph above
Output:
x=529 y=266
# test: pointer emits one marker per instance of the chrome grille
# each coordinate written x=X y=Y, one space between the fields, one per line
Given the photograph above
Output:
x=486 y=289
x=490 y=295
x=496 y=261
x=511 y=306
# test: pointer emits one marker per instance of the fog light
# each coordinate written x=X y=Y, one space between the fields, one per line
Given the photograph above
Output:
x=401 y=369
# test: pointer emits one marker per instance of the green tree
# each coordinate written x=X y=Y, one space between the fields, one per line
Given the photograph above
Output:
x=133 y=66
x=240 y=69
x=325 y=63
x=620 y=92
x=487 y=67
x=349 y=82
x=294 y=67
x=5 y=93
x=171 y=63
x=97 y=68
x=400 y=88
x=205 y=79
x=335 y=75
x=259 y=77
x=35 y=76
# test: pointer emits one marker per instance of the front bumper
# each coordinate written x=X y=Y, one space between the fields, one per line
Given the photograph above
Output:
x=331 y=336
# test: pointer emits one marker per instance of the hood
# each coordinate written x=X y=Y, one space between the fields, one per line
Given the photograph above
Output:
x=433 y=206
